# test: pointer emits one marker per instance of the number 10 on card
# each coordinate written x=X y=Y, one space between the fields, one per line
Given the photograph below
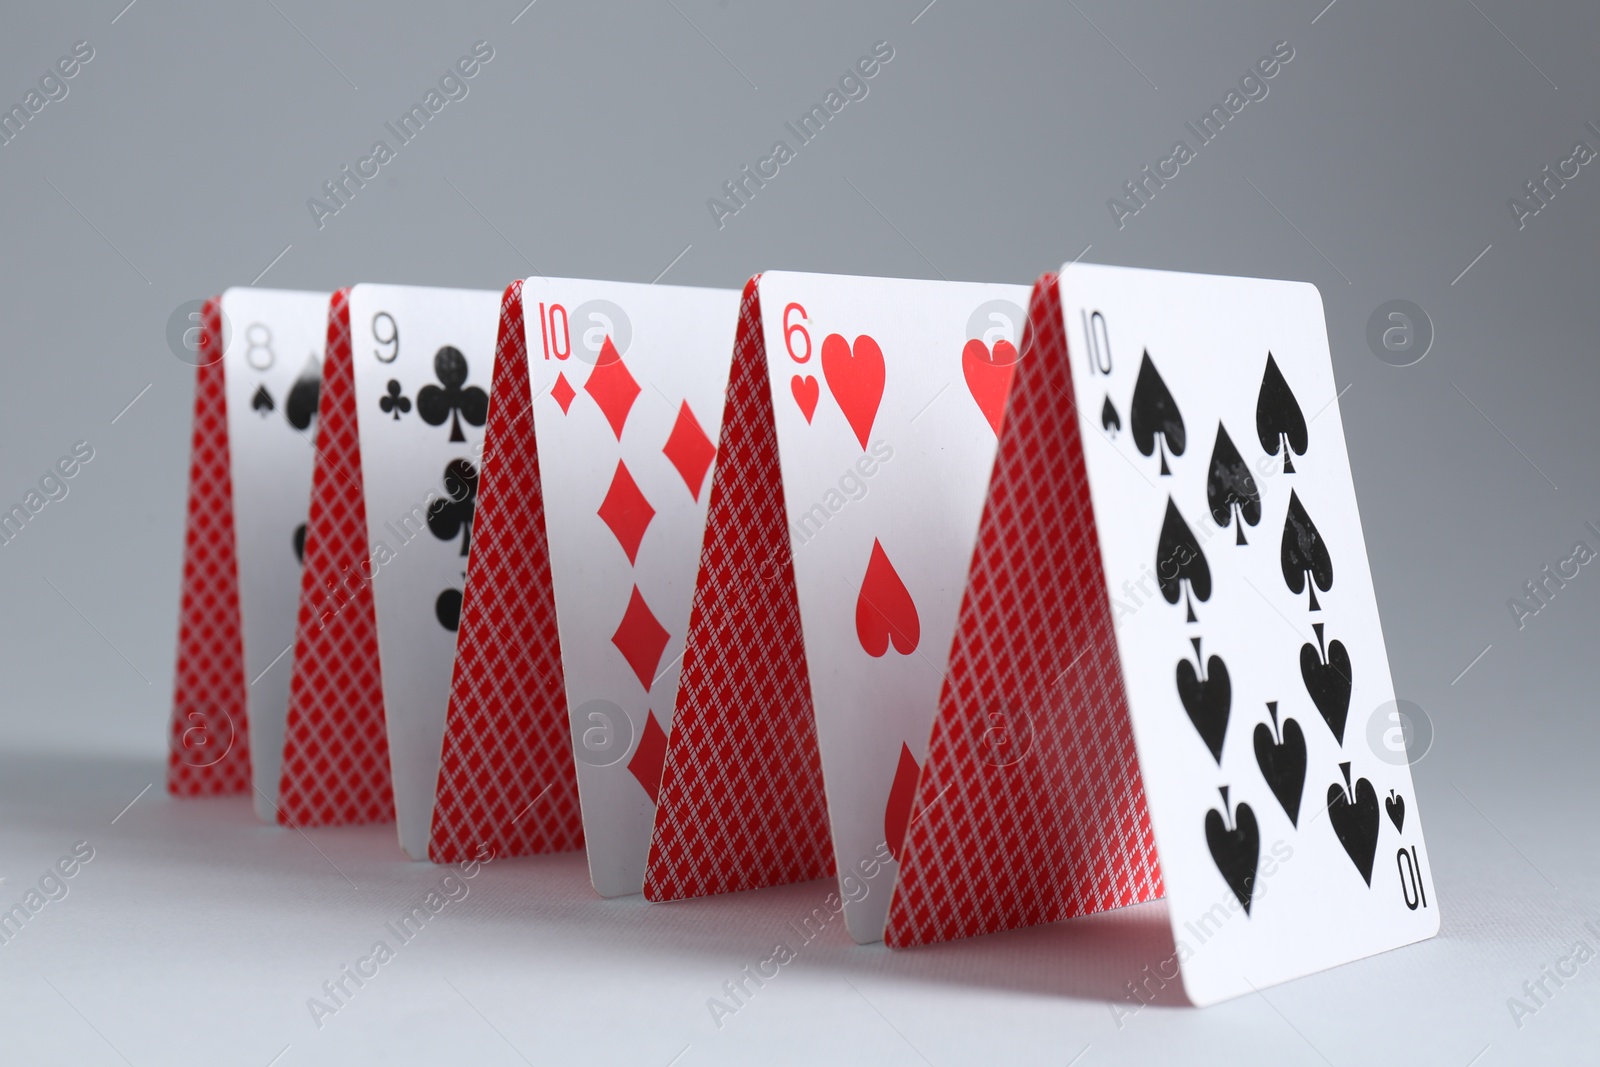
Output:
x=548 y=329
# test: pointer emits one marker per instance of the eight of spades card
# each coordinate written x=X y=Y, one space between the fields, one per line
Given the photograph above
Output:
x=423 y=362
x=273 y=367
x=1247 y=626
x=888 y=398
x=627 y=385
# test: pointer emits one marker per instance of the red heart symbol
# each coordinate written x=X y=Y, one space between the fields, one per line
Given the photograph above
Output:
x=885 y=611
x=805 y=390
x=897 y=813
x=856 y=378
x=989 y=377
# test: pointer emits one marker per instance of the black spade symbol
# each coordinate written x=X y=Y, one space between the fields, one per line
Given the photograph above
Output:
x=1304 y=553
x=452 y=398
x=1110 y=421
x=1354 y=815
x=1206 y=698
x=1235 y=850
x=301 y=407
x=447 y=609
x=1278 y=418
x=1328 y=680
x=451 y=514
x=1155 y=414
x=1230 y=487
x=300 y=543
x=1395 y=805
x=1281 y=755
x=1179 y=560
x=262 y=401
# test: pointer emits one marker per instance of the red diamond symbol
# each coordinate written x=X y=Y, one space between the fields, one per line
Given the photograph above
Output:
x=626 y=511
x=612 y=387
x=690 y=450
x=650 y=756
x=640 y=639
x=563 y=392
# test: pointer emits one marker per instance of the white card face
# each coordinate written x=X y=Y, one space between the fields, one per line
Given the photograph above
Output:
x=887 y=394
x=273 y=368
x=626 y=447
x=1288 y=614
x=424 y=359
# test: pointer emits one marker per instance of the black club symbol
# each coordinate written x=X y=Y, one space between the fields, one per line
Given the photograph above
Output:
x=394 y=402
x=452 y=514
x=452 y=398
x=447 y=608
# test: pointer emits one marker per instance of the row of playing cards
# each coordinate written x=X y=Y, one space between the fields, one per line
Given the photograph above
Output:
x=999 y=606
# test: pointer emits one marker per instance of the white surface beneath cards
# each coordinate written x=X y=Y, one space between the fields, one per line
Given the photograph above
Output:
x=197 y=935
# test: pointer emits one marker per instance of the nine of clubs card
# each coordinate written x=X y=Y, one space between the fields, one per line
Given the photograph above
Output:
x=423 y=361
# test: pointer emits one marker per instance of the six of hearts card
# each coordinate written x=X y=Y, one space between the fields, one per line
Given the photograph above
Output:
x=997 y=606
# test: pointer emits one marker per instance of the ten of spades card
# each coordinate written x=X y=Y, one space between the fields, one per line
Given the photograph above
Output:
x=1247 y=626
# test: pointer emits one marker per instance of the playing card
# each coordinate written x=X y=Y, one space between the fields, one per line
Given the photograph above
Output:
x=423 y=361
x=741 y=803
x=1250 y=645
x=1029 y=808
x=506 y=775
x=335 y=744
x=273 y=365
x=627 y=386
x=208 y=733
x=888 y=398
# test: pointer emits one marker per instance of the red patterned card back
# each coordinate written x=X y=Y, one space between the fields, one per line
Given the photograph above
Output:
x=1030 y=808
x=741 y=802
x=506 y=774
x=209 y=748
x=336 y=746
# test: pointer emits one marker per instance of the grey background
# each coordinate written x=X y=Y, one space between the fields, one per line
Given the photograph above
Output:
x=1378 y=167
